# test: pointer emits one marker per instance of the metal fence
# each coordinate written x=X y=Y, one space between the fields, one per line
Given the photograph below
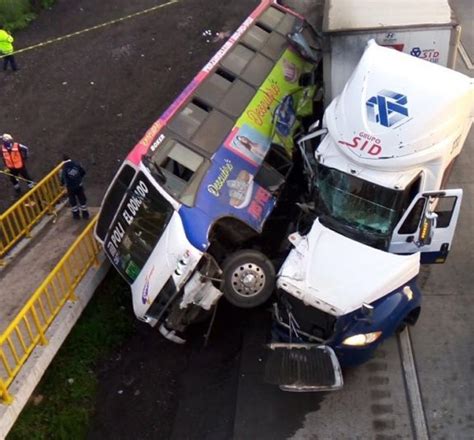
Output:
x=28 y=329
x=18 y=220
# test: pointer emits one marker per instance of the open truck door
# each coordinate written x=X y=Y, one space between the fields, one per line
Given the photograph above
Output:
x=428 y=226
x=303 y=367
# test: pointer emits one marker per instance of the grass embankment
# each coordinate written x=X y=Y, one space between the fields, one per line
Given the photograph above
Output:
x=16 y=14
x=63 y=402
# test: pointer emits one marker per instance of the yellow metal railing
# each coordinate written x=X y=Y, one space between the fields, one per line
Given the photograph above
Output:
x=16 y=222
x=29 y=327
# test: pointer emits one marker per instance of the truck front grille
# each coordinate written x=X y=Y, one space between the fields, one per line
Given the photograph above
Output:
x=300 y=366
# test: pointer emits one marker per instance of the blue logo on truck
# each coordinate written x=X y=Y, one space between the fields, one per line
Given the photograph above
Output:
x=387 y=108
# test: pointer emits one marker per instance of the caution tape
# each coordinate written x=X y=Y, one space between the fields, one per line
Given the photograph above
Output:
x=6 y=173
x=93 y=28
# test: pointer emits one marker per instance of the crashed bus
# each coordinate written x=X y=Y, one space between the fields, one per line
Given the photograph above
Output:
x=183 y=218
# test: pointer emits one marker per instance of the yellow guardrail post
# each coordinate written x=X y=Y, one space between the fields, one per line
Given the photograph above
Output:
x=18 y=220
x=42 y=337
x=6 y=396
x=28 y=329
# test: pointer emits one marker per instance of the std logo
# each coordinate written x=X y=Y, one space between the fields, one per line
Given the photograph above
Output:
x=431 y=55
x=387 y=108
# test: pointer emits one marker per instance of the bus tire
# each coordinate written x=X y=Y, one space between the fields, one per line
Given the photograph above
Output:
x=249 y=278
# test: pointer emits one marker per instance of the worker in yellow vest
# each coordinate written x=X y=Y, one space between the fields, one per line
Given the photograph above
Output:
x=14 y=157
x=6 y=49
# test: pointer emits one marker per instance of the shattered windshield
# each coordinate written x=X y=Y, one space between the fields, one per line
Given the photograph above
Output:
x=142 y=219
x=362 y=206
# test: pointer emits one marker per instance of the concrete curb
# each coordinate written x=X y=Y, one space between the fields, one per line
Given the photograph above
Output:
x=32 y=372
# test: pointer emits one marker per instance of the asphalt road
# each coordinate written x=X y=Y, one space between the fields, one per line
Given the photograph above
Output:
x=96 y=94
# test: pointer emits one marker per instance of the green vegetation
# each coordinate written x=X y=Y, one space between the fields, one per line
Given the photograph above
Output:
x=16 y=14
x=63 y=402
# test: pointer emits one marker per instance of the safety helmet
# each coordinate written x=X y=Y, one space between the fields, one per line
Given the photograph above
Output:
x=7 y=137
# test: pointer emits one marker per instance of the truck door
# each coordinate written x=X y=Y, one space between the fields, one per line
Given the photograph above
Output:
x=428 y=225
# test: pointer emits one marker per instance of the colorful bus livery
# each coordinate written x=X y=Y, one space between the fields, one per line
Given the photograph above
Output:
x=182 y=219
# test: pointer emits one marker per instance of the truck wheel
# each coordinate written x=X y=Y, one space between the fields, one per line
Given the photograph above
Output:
x=249 y=278
x=409 y=320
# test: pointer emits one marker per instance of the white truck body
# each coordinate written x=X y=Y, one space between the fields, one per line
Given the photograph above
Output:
x=397 y=117
x=426 y=29
x=323 y=256
x=389 y=142
x=428 y=113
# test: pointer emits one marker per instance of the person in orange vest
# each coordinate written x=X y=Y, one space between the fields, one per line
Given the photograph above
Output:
x=14 y=157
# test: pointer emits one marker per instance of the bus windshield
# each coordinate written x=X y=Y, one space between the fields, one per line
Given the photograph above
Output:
x=142 y=219
x=353 y=206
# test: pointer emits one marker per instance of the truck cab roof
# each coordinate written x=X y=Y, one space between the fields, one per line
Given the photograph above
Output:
x=397 y=113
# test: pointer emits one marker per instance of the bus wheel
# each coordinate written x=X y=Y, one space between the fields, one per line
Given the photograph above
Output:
x=249 y=278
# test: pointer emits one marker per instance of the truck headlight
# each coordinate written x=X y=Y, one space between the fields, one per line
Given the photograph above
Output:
x=362 y=339
x=408 y=292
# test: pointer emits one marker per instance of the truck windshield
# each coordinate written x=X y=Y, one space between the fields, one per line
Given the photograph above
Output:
x=356 y=207
x=142 y=219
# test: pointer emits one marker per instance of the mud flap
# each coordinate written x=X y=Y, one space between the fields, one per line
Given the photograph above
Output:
x=303 y=367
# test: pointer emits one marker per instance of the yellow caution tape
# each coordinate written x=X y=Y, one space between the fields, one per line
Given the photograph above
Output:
x=93 y=28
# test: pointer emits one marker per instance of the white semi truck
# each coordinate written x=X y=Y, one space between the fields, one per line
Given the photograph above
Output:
x=379 y=164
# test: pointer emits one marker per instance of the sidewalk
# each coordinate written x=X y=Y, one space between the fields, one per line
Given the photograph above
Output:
x=24 y=274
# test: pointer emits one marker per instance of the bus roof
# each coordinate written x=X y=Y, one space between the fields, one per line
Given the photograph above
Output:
x=268 y=18
x=216 y=141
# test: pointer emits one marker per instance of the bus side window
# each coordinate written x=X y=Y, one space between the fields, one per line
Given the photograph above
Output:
x=410 y=225
x=182 y=162
x=179 y=165
x=177 y=169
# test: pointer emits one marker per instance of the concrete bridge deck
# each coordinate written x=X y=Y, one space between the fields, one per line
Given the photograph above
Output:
x=29 y=266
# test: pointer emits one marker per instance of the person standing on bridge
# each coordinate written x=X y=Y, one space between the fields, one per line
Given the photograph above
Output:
x=72 y=175
x=14 y=157
x=6 y=49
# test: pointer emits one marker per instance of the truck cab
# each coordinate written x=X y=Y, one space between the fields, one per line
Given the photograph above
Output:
x=379 y=166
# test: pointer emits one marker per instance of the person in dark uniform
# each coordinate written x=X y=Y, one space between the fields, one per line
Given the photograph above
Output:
x=72 y=175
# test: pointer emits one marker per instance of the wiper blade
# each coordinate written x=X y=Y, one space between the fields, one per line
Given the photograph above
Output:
x=154 y=168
